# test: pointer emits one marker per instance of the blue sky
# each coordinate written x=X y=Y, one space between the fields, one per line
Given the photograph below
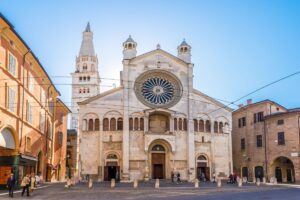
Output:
x=237 y=46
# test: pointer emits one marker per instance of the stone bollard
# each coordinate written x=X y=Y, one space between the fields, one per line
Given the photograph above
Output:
x=264 y=180
x=157 y=183
x=135 y=183
x=258 y=182
x=68 y=183
x=196 y=183
x=275 y=181
x=113 y=183
x=240 y=183
x=219 y=182
x=90 y=183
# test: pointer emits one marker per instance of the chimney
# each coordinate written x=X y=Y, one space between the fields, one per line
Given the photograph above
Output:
x=241 y=105
x=249 y=101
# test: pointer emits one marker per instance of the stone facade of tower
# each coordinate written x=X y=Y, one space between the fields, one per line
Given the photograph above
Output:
x=85 y=79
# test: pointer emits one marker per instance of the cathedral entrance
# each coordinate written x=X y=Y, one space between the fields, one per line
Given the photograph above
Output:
x=158 y=162
x=111 y=169
x=203 y=172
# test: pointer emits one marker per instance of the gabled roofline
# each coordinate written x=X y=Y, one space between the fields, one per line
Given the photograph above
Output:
x=65 y=106
x=213 y=100
x=259 y=102
x=25 y=44
x=108 y=92
x=161 y=51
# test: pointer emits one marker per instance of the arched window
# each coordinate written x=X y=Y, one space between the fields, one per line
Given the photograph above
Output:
x=111 y=156
x=130 y=124
x=129 y=46
x=83 y=90
x=105 y=124
x=141 y=124
x=84 y=78
x=79 y=91
x=207 y=126
x=97 y=124
x=201 y=125
x=158 y=147
x=216 y=127
x=84 y=125
x=184 y=124
x=88 y=90
x=180 y=124
x=220 y=127
x=91 y=125
x=88 y=78
x=112 y=124
x=120 y=124
x=80 y=78
x=196 y=125
x=175 y=124
x=136 y=124
x=7 y=139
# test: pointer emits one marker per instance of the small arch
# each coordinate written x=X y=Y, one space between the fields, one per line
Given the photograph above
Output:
x=130 y=124
x=158 y=147
x=7 y=139
x=91 y=125
x=97 y=124
x=111 y=156
x=216 y=127
x=207 y=126
x=201 y=125
x=141 y=124
x=112 y=124
x=120 y=124
x=136 y=124
x=220 y=127
x=105 y=124
x=175 y=124
x=180 y=124
x=201 y=157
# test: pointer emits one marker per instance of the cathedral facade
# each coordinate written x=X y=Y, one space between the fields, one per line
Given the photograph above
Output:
x=154 y=124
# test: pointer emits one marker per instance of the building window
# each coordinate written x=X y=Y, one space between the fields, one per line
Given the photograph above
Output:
x=141 y=124
x=29 y=112
x=60 y=138
x=113 y=124
x=43 y=97
x=105 y=124
x=88 y=78
x=281 y=140
x=120 y=124
x=84 y=78
x=61 y=117
x=11 y=99
x=31 y=83
x=42 y=122
x=80 y=78
x=130 y=124
x=202 y=139
x=51 y=107
x=175 y=124
x=242 y=122
x=79 y=91
x=280 y=122
x=180 y=124
x=201 y=125
x=91 y=125
x=258 y=117
x=49 y=129
x=185 y=124
x=12 y=66
x=136 y=124
x=259 y=141
x=196 y=125
x=28 y=144
x=243 y=144
x=216 y=127
x=97 y=124
x=207 y=126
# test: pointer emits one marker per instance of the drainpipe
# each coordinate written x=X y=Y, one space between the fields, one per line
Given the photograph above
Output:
x=23 y=96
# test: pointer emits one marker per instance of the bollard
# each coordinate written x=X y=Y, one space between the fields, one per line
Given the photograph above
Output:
x=219 y=183
x=275 y=181
x=90 y=183
x=240 y=183
x=264 y=180
x=113 y=183
x=135 y=183
x=68 y=183
x=196 y=183
x=258 y=182
x=157 y=183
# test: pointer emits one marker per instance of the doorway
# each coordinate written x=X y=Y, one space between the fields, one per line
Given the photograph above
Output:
x=158 y=162
x=203 y=171
x=289 y=175
x=259 y=172
x=278 y=174
x=111 y=172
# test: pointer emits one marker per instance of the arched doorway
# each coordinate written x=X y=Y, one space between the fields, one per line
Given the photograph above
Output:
x=203 y=170
x=284 y=170
x=259 y=172
x=158 y=158
x=112 y=168
x=39 y=164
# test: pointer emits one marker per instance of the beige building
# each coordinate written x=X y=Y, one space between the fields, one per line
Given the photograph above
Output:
x=154 y=123
x=266 y=141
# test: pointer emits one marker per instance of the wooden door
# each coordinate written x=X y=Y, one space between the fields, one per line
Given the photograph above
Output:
x=278 y=174
x=158 y=165
x=207 y=173
x=106 y=173
x=158 y=171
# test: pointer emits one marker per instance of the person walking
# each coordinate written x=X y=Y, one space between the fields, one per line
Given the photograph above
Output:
x=214 y=177
x=11 y=181
x=25 y=184
x=32 y=183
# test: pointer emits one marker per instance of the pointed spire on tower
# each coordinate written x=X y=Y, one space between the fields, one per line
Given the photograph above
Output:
x=87 y=46
x=88 y=28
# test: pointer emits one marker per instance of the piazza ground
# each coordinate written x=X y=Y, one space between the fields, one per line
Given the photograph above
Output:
x=183 y=191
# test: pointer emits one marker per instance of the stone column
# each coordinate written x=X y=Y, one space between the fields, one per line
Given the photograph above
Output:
x=100 y=153
x=146 y=122
x=125 y=142
x=172 y=123
x=212 y=147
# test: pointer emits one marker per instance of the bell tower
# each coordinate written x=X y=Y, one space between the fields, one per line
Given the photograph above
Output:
x=85 y=79
x=184 y=51
x=129 y=50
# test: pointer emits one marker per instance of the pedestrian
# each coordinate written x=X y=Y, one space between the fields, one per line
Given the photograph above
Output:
x=32 y=183
x=11 y=181
x=214 y=177
x=25 y=184
x=172 y=176
x=117 y=175
x=37 y=179
x=178 y=178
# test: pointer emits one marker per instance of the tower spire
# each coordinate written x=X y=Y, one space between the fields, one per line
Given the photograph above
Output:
x=87 y=45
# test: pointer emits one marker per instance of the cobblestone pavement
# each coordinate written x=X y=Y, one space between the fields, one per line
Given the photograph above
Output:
x=146 y=190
